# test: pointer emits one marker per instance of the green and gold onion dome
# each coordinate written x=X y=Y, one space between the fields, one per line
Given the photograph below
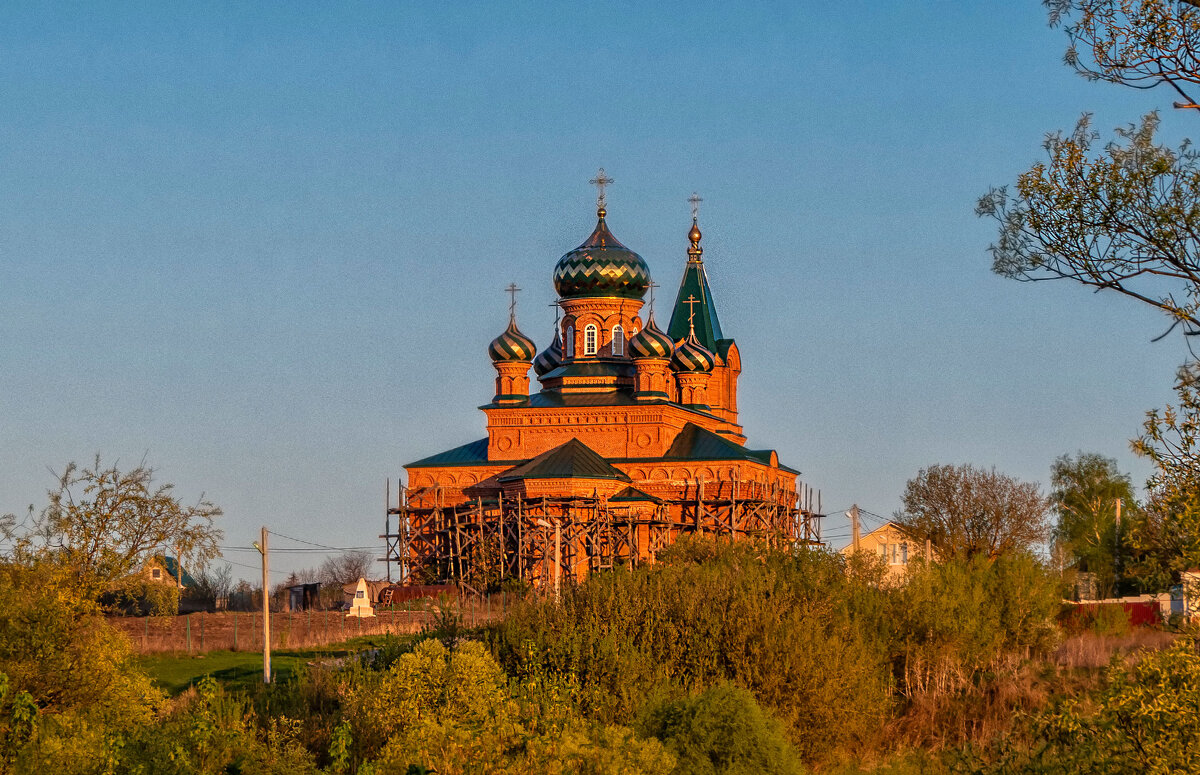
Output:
x=512 y=345
x=651 y=342
x=601 y=266
x=690 y=355
x=549 y=359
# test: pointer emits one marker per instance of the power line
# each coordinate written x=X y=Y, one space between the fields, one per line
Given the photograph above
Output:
x=251 y=567
x=302 y=541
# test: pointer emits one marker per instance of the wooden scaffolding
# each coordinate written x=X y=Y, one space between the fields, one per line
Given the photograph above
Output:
x=483 y=541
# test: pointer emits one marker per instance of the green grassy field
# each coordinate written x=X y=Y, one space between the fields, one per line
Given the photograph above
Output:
x=242 y=669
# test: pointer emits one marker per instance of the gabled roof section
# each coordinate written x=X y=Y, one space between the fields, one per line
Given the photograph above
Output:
x=475 y=452
x=696 y=443
x=635 y=495
x=573 y=460
x=172 y=568
x=708 y=327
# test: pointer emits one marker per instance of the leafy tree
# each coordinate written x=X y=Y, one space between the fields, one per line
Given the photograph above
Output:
x=104 y=524
x=966 y=511
x=1167 y=536
x=1087 y=488
x=1124 y=217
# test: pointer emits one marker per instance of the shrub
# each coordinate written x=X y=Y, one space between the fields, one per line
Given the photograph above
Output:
x=721 y=731
x=1146 y=719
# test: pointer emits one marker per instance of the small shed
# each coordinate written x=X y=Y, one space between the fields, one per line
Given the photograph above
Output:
x=303 y=597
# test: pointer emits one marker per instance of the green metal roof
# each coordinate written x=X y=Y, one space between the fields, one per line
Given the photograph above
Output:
x=573 y=460
x=172 y=567
x=475 y=452
x=696 y=443
x=708 y=327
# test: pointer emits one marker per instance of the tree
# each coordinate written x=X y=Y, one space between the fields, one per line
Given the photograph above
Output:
x=1128 y=217
x=1087 y=488
x=966 y=511
x=346 y=568
x=1168 y=535
x=104 y=524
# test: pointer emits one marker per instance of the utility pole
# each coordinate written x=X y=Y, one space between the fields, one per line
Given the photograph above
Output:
x=261 y=546
x=1117 y=540
x=854 y=537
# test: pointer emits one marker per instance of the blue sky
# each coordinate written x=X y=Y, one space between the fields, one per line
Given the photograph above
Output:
x=265 y=245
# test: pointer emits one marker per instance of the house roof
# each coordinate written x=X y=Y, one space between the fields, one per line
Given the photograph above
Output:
x=172 y=568
x=572 y=460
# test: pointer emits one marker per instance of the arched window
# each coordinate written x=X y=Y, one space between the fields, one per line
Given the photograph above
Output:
x=589 y=340
x=570 y=343
x=618 y=341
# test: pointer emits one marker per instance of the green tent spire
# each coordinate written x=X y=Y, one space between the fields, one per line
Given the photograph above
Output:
x=694 y=306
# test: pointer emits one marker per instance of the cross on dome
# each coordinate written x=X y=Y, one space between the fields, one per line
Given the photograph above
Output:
x=695 y=201
x=600 y=181
x=512 y=291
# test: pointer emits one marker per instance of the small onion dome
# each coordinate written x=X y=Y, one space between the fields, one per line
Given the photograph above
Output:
x=601 y=266
x=650 y=342
x=690 y=355
x=549 y=359
x=512 y=345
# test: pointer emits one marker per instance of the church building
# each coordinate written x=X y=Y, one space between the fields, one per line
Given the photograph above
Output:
x=629 y=439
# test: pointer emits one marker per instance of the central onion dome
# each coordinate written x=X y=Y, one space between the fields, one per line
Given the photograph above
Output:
x=601 y=266
x=512 y=345
x=690 y=355
x=550 y=358
x=650 y=342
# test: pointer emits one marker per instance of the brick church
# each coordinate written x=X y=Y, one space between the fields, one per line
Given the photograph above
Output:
x=629 y=438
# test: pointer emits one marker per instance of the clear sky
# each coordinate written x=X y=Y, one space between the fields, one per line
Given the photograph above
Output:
x=264 y=245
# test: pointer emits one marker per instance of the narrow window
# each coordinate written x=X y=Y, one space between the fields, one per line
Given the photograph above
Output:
x=570 y=341
x=589 y=340
x=618 y=342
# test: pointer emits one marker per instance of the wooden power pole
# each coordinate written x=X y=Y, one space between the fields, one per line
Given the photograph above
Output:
x=261 y=546
x=854 y=536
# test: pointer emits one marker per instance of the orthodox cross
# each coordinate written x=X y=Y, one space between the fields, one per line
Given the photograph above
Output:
x=557 y=308
x=600 y=181
x=512 y=290
x=653 y=285
x=695 y=201
x=691 y=301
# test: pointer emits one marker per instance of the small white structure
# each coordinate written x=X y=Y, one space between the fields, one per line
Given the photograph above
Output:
x=360 y=605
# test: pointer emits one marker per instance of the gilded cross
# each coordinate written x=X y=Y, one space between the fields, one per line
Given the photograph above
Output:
x=653 y=285
x=600 y=181
x=695 y=201
x=512 y=290
x=691 y=301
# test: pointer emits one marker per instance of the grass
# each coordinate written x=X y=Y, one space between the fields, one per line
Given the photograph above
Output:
x=242 y=669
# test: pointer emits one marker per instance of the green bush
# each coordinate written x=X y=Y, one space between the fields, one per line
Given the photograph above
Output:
x=721 y=731
x=453 y=712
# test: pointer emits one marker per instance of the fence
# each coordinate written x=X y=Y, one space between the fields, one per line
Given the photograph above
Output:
x=242 y=631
